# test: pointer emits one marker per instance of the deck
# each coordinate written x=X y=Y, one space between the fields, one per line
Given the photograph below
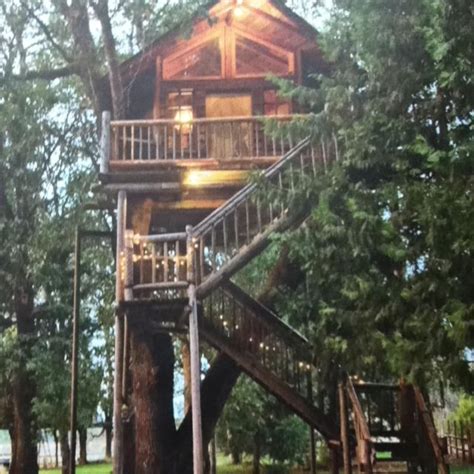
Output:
x=208 y=144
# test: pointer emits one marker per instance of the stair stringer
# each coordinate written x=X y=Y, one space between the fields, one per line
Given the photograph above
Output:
x=250 y=364
x=310 y=414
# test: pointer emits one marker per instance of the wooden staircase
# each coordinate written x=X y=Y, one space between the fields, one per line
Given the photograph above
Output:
x=268 y=350
x=388 y=428
x=199 y=263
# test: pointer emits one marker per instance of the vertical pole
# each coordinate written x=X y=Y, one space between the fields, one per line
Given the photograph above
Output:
x=312 y=441
x=198 y=458
x=105 y=143
x=126 y=351
x=344 y=430
x=213 y=456
x=119 y=335
x=75 y=349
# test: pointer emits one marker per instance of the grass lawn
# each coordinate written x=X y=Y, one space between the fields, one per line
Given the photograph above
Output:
x=91 y=469
x=225 y=467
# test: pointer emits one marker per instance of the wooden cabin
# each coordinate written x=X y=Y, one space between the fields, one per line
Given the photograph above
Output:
x=195 y=107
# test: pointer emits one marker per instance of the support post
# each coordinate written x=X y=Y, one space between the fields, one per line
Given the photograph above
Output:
x=119 y=336
x=105 y=143
x=312 y=441
x=344 y=431
x=198 y=458
x=75 y=349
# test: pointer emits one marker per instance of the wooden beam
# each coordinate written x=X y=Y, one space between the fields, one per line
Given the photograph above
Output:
x=344 y=430
x=75 y=350
x=190 y=205
x=158 y=81
x=105 y=143
x=119 y=336
x=281 y=25
x=198 y=457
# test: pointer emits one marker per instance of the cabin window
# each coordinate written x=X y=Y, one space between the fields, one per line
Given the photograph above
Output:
x=257 y=59
x=274 y=105
x=180 y=105
x=203 y=61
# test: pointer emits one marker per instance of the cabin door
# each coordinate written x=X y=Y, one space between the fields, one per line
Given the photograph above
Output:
x=230 y=138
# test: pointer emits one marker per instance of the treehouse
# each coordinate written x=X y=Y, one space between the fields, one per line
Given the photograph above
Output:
x=199 y=104
x=196 y=103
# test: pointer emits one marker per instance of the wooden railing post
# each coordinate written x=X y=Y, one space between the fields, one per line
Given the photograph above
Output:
x=198 y=458
x=105 y=143
x=429 y=430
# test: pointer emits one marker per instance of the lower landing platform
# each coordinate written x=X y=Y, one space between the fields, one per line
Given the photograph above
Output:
x=159 y=316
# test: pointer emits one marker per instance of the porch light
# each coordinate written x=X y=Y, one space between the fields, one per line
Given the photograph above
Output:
x=184 y=116
x=238 y=9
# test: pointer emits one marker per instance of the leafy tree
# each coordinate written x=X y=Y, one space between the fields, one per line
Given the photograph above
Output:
x=464 y=412
x=256 y=424
x=387 y=254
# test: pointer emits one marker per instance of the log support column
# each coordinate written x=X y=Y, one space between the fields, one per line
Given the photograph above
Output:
x=119 y=336
x=198 y=458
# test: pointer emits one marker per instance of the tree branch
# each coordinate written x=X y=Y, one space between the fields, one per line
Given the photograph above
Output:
x=45 y=74
x=44 y=28
x=101 y=9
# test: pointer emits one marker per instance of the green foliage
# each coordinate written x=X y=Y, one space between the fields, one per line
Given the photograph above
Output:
x=251 y=416
x=387 y=253
x=464 y=412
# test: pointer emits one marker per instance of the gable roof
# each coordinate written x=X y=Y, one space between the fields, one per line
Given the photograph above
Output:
x=145 y=59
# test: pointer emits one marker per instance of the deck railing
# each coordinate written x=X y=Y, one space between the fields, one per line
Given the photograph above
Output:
x=155 y=265
x=233 y=138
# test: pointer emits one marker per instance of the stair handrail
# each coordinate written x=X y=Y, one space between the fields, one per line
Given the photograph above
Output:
x=266 y=314
x=364 y=449
x=240 y=196
x=429 y=430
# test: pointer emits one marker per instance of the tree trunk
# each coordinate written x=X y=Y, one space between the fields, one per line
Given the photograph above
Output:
x=213 y=455
x=152 y=369
x=108 y=436
x=82 y=446
x=215 y=390
x=65 y=451
x=56 y=448
x=256 y=454
x=24 y=431
x=186 y=362
x=235 y=455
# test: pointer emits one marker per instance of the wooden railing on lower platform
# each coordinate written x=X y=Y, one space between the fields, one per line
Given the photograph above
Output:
x=232 y=138
x=429 y=444
x=365 y=453
x=459 y=438
x=155 y=266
